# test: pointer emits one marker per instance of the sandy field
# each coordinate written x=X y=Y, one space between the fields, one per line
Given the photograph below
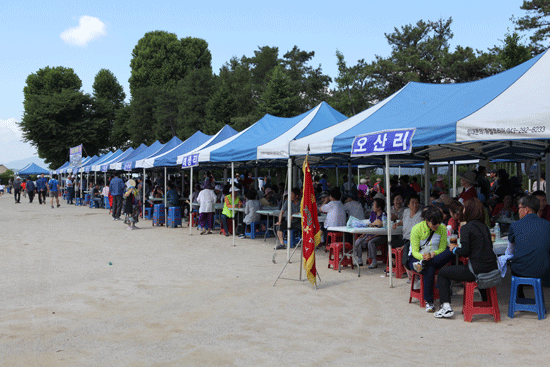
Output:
x=174 y=299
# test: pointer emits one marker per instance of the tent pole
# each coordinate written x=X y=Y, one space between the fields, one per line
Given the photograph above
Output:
x=190 y=200
x=337 y=183
x=233 y=199
x=427 y=181
x=288 y=209
x=547 y=175
x=143 y=197
x=165 y=189
x=388 y=211
x=539 y=162
x=349 y=175
x=256 y=176
x=454 y=179
x=358 y=175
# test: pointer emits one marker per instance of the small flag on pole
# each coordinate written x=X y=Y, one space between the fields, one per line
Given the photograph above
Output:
x=311 y=234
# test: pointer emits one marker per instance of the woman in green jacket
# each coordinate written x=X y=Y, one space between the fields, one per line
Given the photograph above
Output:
x=428 y=251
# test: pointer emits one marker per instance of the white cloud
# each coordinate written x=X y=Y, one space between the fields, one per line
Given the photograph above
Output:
x=89 y=28
x=12 y=146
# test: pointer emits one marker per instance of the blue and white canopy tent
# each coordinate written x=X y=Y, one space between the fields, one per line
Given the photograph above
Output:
x=171 y=144
x=505 y=116
x=267 y=140
x=32 y=169
x=130 y=162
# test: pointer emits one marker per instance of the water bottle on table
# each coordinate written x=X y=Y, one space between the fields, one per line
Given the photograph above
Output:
x=497 y=232
x=384 y=221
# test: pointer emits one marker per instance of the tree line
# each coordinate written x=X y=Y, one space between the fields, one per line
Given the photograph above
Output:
x=174 y=91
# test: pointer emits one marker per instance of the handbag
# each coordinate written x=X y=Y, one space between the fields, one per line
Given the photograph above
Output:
x=486 y=280
x=407 y=247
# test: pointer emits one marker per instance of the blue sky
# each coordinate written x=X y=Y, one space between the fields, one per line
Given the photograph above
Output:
x=91 y=35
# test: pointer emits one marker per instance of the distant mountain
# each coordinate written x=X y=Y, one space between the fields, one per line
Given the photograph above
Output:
x=18 y=164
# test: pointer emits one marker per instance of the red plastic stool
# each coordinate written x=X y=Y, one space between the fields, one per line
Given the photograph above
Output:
x=333 y=237
x=419 y=293
x=471 y=307
x=383 y=257
x=397 y=263
x=229 y=227
x=335 y=251
x=194 y=219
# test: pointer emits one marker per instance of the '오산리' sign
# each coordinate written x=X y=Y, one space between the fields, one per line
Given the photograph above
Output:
x=383 y=142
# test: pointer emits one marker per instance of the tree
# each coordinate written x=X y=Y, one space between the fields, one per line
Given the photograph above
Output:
x=108 y=97
x=57 y=115
x=310 y=84
x=220 y=108
x=511 y=53
x=279 y=99
x=161 y=59
x=195 y=90
x=537 y=20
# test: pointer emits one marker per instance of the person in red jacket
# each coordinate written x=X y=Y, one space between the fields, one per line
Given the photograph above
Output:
x=467 y=181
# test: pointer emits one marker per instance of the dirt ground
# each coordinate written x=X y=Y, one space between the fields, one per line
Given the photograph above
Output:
x=174 y=299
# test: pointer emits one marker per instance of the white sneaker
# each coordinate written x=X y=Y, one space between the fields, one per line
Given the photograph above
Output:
x=430 y=307
x=445 y=312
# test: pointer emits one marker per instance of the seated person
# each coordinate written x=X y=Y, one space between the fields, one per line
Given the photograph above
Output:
x=172 y=197
x=295 y=223
x=544 y=209
x=269 y=198
x=428 y=251
x=397 y=208
x=530 y=236
x=506 y=208
x=251 y=208
x=96 y=195
x=371 y=241
x=336 y=213
x=353 y=208
x=476 y=244
x=456 y=209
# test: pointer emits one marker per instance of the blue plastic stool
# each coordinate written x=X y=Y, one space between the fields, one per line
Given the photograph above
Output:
x=159 y=215
x=174 y=217
x=148 y=213
x=295 y=238
x=87 y=199
x=93 y=204
x=78 y=201
x=252 y=232
x=527 y=304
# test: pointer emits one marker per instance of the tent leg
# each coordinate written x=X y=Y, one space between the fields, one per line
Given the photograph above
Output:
x=388 y=221
x=233 y=200
x=190 y=200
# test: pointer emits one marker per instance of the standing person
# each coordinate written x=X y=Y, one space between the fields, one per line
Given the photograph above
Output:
x=483 y=184
x=540 y=185
x=467 y=181
x=429 y=251
x=1 y=189
x=31 y=189
x=17 y=189
x=131 y=208
x=476 y=244
x=116 y=188
x=53 y=187
x=24 y=187
x=69 y=183
x=230 y=201
x=42 y=188
x=530 y=237
x=207 y=199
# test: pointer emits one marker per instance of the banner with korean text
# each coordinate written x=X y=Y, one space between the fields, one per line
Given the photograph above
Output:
x=75 y=156
x=383 y=142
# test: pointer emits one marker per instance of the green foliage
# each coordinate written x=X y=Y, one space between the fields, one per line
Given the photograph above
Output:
x=108 y=97
x=59 y=116
x=161 y=59
x=5 y=177
x=512 y=52
x=196 y=90
x=279 y=99
x=536 y=20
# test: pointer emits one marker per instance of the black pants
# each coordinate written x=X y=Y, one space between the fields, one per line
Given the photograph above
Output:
x=17 y=195
x=460 y=273
x=117 y=206
x=42 y=197
x=31 y=196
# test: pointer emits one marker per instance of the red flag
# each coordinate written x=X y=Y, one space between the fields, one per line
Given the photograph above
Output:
x=311 y=233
